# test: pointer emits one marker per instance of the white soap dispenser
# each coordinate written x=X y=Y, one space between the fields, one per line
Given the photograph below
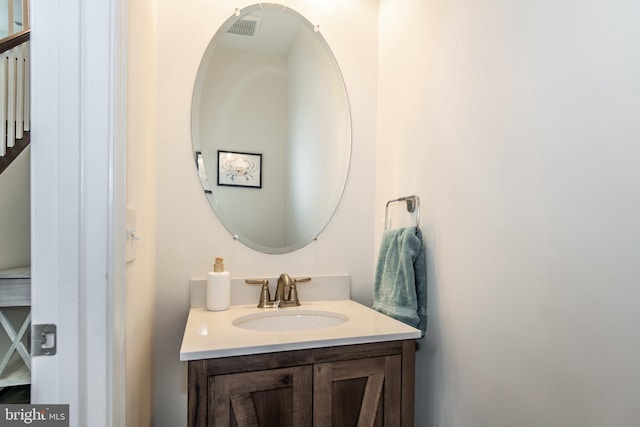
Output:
x=218 y=287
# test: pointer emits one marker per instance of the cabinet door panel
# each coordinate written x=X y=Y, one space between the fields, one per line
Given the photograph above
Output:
x=340 y=401
x=278 y=398
x=349 y=392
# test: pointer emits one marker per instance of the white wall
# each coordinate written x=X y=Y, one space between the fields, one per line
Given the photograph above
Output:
x=141 y=196
x=189 y=234
x=14 y=214
x=517 y=124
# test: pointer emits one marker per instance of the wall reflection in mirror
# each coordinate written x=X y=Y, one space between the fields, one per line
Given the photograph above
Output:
x=269 y=86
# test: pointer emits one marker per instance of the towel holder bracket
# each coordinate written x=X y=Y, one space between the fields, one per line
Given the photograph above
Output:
x=413 y=205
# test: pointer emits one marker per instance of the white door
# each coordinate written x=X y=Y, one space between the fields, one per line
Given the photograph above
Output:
x=77 y=204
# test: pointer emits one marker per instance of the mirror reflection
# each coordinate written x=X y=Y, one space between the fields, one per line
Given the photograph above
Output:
x=271 y=128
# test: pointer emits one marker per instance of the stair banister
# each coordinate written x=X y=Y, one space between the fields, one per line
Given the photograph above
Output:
x=14 y=96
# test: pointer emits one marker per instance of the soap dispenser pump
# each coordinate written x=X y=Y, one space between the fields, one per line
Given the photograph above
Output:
x=218 y=287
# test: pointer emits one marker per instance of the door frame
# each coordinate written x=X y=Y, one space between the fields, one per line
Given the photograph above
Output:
x=78 y=231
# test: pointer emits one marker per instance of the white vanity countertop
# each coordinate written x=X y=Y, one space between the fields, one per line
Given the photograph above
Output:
x=211 y=334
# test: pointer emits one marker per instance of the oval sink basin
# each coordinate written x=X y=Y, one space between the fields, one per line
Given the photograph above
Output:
x=286 y=319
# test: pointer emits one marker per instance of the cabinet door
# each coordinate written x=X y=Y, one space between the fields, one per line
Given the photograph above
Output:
x=358 y=393
x=276 y=397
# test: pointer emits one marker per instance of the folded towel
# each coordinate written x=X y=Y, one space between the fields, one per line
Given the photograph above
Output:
x=401 y=282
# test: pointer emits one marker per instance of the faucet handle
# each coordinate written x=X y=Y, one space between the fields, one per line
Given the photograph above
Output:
x=265 y=296
x=293 y=291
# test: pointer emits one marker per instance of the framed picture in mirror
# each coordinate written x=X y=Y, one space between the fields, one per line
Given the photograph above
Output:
x=237 y=169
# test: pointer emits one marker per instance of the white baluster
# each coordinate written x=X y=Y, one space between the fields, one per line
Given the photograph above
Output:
x=19 y=91
x=10 y=17
x=11 y=100
x=3 y=103
x=27 y=88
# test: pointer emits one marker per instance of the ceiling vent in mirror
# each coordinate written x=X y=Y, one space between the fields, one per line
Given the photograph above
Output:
x=246 y=26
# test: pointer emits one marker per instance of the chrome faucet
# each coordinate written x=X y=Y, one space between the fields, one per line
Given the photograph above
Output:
x=286 y=291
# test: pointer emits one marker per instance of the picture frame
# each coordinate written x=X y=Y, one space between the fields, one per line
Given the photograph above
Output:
x=239 y=169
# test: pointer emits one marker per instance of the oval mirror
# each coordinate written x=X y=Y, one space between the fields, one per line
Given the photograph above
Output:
x=271 y=128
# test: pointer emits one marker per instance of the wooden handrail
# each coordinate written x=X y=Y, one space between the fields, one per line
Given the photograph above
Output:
x=14 y=40
x=13 y=152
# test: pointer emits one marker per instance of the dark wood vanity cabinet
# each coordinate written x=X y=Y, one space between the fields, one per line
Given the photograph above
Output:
x=355 y=385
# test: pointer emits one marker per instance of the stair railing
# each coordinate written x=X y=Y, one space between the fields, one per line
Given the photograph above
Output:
x=14 y=91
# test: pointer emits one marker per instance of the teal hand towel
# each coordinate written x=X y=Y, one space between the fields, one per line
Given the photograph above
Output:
x=401 y=281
